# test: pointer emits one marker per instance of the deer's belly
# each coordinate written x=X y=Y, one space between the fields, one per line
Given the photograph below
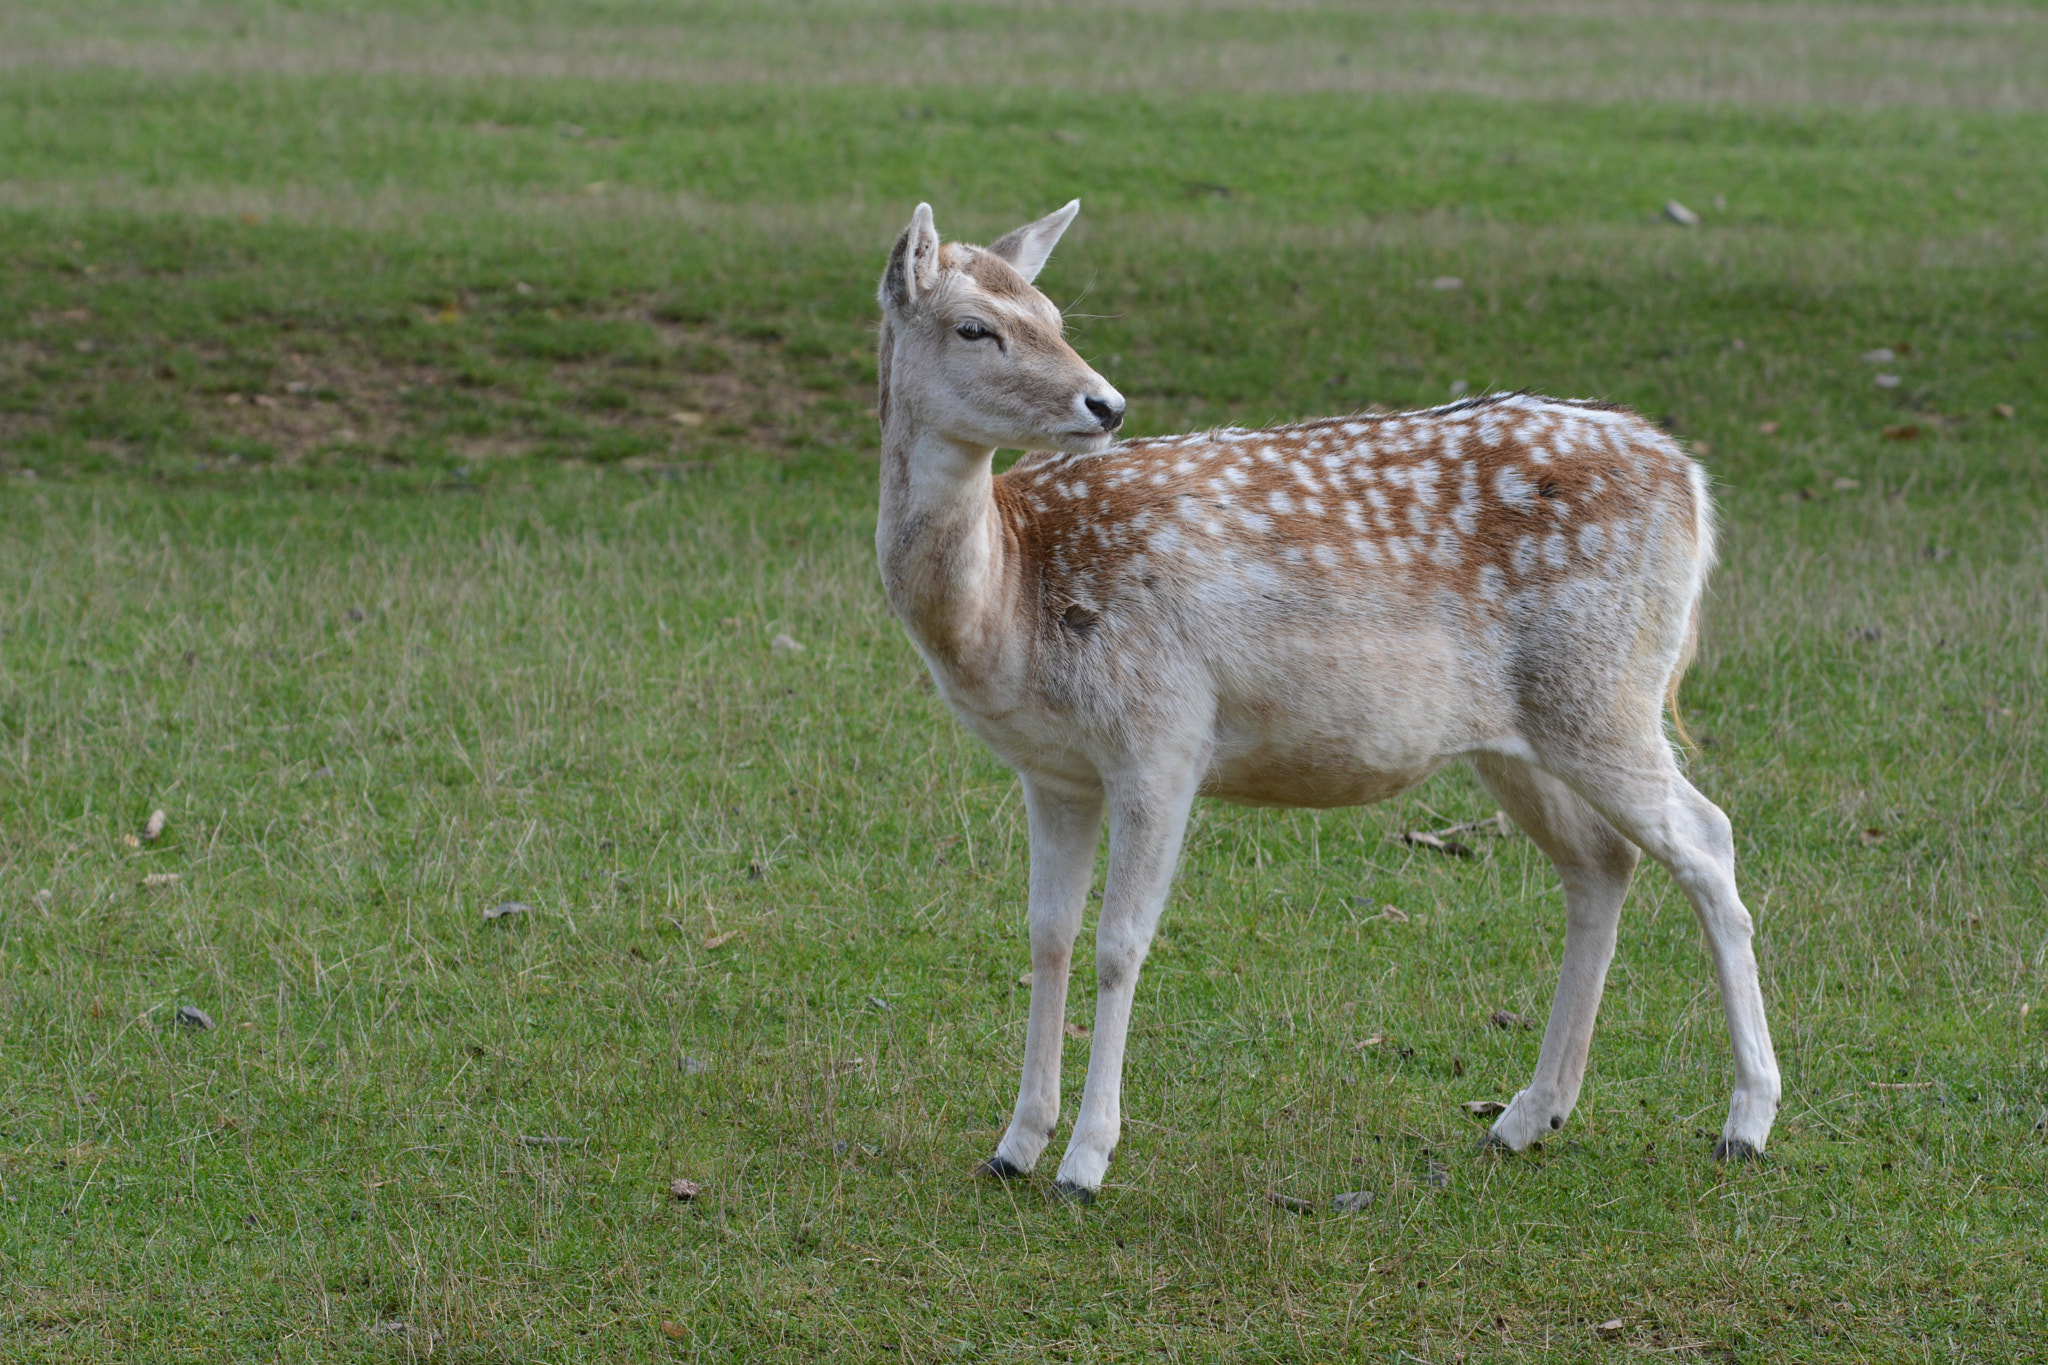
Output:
x=1316 y=776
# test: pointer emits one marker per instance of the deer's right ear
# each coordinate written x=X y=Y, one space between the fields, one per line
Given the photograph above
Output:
x=913 y=264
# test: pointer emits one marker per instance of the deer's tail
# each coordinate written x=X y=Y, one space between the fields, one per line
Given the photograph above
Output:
x=1703 y=540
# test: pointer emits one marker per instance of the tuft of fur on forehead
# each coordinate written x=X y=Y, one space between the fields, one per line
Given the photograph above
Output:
x=984 y=270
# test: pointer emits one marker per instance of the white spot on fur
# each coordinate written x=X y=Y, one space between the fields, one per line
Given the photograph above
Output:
x=1523 y=560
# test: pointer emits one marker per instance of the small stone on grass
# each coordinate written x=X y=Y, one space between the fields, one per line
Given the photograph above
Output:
x=506 y=908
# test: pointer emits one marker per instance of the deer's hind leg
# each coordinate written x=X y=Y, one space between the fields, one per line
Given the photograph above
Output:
x=1595 y=862
x=1646 y=797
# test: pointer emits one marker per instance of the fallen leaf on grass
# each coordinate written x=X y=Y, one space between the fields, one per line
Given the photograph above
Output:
x=1445 y=840
x=504 y=908
x=1846 y=484
x=1074 y=1030
x=2003 y=410
x=876 y=1002
x=1509 y=1019
x=1869 y=837
x=1680 y=214
x=674 y=1331
x=1484 y=1109
x=1374 y=1041
x=1883 y=355
x=720 y=940
x=387 y=1329
x=1767 y=428
x=787 y=643
x=1885 y=381
x=1902 y=431
x=1423 y=839
x=1393 y=914
x=687 y=419
x=1610 y=1328
x=1292 y=1203
x=191 y=1016
x=1447 y=282
x=156 y=879
x=153 y=828
x=1352 y=1201
x=546 y=1140
x=131 y=840
x=684 y=1190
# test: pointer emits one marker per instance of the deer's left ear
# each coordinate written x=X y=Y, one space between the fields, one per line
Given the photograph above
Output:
x=1028 y=247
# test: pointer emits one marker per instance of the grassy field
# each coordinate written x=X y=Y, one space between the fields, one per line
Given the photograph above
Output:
x=417 y=421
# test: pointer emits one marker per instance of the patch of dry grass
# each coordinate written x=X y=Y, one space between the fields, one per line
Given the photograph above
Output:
x=1854 y=55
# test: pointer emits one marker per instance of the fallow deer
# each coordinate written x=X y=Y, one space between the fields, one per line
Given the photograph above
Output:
x=1321 y=614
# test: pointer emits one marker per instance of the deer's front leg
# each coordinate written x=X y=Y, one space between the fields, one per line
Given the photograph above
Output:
x=1064 y=827
x=1147 y=818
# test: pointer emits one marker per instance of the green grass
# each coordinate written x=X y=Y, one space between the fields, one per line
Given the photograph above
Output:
x=460 y=614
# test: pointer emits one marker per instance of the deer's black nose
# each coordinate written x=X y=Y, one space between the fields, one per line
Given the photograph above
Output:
x=1110 y=414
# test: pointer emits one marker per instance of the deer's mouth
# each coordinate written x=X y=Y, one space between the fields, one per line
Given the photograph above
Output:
x=1088 y=440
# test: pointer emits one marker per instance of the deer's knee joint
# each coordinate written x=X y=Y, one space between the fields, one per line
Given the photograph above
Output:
x=1051 y=957
x=1116 y=968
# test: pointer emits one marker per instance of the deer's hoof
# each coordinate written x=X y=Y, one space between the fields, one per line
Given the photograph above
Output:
x=998 y=1168
x=1072 y=1193
x=1735 y=1149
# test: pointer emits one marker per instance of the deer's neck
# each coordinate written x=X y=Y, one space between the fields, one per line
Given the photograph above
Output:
x=945 y=563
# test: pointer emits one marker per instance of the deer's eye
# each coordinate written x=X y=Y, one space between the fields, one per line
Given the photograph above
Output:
x=972 y=331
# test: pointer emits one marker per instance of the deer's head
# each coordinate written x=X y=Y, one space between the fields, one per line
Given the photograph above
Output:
x=971 y=350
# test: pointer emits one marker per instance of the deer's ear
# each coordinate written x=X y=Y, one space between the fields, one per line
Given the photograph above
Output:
x=913 y=264
x=1028 y=247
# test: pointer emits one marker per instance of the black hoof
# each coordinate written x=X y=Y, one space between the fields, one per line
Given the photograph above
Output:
x=1494 y=1142
x=996 y=1168
x=1735 y=1149
x=1073 y=1194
